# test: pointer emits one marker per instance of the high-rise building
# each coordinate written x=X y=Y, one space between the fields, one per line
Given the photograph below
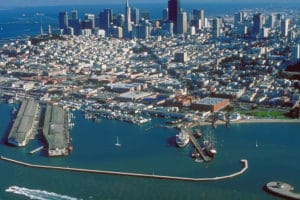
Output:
x=174 y=10
x=272 y=20
x=135 y=15
x=169 y=27
x=63 y=20
x=165 y=14
x=217 y=25
x=296 y=53
x=198 y=15
x=285 y=27
x=238 y=18
x=105 y=19
x=142 y=30
x=127 y=24
x=91 y=18
x=74 y=14
x=257 y=23
x=182 y=25
x=120 y=21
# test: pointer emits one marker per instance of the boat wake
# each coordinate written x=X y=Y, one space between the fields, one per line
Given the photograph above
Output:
x=38 y=194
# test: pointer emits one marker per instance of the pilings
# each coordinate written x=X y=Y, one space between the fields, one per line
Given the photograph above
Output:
x=243 y=170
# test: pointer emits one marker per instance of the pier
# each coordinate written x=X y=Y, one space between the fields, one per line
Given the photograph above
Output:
x=36 y=150
x=25 y=123
x=243 y=170
x=56 y=131
x=198 y=148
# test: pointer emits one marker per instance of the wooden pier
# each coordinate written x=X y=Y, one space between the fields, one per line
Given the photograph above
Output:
x=198 y=148
x=243 y=161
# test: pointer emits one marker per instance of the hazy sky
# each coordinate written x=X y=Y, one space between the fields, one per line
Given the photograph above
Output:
x=6 y=3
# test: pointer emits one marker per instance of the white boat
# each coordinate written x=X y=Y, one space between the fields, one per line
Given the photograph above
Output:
x=183 y=138
x=117 y=143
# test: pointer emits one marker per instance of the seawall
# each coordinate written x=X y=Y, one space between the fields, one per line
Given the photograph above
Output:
x=243 y=170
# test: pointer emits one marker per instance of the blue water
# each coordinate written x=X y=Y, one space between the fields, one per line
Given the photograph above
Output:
x=154 y=151
x=24 y=22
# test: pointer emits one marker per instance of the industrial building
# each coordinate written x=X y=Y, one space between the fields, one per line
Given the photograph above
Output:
x=24 y=124
x=56 y=131
x=210 y=104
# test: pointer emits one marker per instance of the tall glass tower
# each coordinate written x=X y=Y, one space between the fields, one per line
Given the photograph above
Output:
x=174 y=10
x=127 y=24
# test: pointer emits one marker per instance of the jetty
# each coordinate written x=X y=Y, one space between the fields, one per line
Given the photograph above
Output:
x=153 y=176
x=198 y=149
x=36 y=150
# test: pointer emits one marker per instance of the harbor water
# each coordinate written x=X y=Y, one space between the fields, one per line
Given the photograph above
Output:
x=152 y=151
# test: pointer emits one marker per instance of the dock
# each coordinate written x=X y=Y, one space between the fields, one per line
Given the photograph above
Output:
x=198 y=148
x=153 y=176
x=56 y=131
x=25 y=124
x=36 y=150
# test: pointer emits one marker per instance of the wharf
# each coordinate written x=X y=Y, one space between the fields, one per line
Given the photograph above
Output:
x=198 y=148
x=36 y=150
x=56 y=131
x=25 y=124
x=176 y=178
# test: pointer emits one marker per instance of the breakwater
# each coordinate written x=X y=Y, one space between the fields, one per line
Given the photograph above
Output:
x=243 y=170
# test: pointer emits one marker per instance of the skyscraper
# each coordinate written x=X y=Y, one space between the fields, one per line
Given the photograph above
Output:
x=217 y=23
x=165 y=14
x=127 y=24
x=91 y=18
x=135 y=15
x=105 y=19
x=174 y=10
x=257 y=23
x=296 y=53
x=199 y=15
x=285 y=27
x=182 y=23
x=74 y=14
x=63 y=20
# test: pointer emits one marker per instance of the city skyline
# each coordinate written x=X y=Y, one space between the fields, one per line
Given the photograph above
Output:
x=20 y=3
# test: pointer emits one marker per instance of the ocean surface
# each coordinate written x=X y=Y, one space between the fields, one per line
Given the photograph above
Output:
x=152 y=151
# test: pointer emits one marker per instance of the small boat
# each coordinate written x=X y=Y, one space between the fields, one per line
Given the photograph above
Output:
x=117 y=143
x=256 y=144
x=199 y=160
